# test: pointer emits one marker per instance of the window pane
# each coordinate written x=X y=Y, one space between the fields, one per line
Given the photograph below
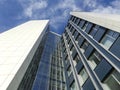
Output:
x=85 y=45
x=107 y=41
x=94 y=59
x=69 y=71
x=113 y=81
x=85 y=26
x=94 y=30
x=83 y=76
x=73 y=86
x=77 y=59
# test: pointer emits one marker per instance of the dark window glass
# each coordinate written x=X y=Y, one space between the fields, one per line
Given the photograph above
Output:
x=109 y=38
x=73 y=86
x=85 y=26
x=94 y=59
x=85 y=45
x=94 y=30
x=112 y=82
x=82 y=76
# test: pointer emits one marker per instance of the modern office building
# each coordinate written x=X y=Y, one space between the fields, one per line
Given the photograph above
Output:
x=50 y=74
x=20 y=50
x=85 y=57
x=91 y=51
x=25 y=57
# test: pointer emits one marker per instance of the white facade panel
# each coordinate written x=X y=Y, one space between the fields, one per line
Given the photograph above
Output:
x=17 y=47
x=106 y=20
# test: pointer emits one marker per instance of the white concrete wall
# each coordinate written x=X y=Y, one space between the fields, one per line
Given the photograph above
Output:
x=109 y=21
x=17 y=47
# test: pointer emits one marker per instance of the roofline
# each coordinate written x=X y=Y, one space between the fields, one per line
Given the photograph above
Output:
x=55 y=33
x=110 y=21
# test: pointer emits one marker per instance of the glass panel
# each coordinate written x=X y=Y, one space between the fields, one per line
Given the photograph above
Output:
x=73 y=86
x=83 y=76
x=76 y=59
x=94 y=30
x=113 y=81
x=69 y=71
x=109 y=38
x=94 y=59
x=107 y=41
x=85 y=26
x=85 y=45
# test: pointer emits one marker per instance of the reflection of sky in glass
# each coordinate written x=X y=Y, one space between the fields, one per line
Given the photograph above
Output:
x=42 y=77
x=107 y=41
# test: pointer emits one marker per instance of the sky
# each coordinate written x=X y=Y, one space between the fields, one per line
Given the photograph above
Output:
x=16 y=12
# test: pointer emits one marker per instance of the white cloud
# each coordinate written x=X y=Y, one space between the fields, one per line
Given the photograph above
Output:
x=90 y=3
x=107 y=10
x=113 y=8
x=31 y=6
x=116 y=4
x=66 y=6
x=34 y=6
x=38 y=9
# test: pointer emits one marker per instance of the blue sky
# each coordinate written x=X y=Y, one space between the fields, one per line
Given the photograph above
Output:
x=15 y=12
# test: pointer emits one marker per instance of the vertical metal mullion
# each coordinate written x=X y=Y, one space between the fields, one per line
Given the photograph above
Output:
x=72 y=65
x=111 y=58
x=91 y=74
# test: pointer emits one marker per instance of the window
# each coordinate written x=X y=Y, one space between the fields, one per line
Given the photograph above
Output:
x=67 y=36
x=73 y=32
x=109 y=38
x=68 y=26
x=69 y=71
x=72 y=48
x=73 y=86
x=79 y=22
x=66 y=59
x=76 y=58
x=71 y=18
x=113 y=81
x=94 y=59
x=78 y=37
x=76 y=20
x=68 y=40
x=85 y=45
x=83 y=76
x=94 y=30
x=63 y=86
x=76 y=34
x=71 y=29
x=85 y=26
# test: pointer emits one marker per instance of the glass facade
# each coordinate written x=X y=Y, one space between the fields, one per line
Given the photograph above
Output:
x=57 y=75
x=94 y=59
x=69 y=71
x=112 y=82
x=85 y=45
x=50 y=75
x=109 y=39
x=78 y=60
x=83 y=76
x=29 y=77
x=94 y=30
x=73 y=86
x=90 y=64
